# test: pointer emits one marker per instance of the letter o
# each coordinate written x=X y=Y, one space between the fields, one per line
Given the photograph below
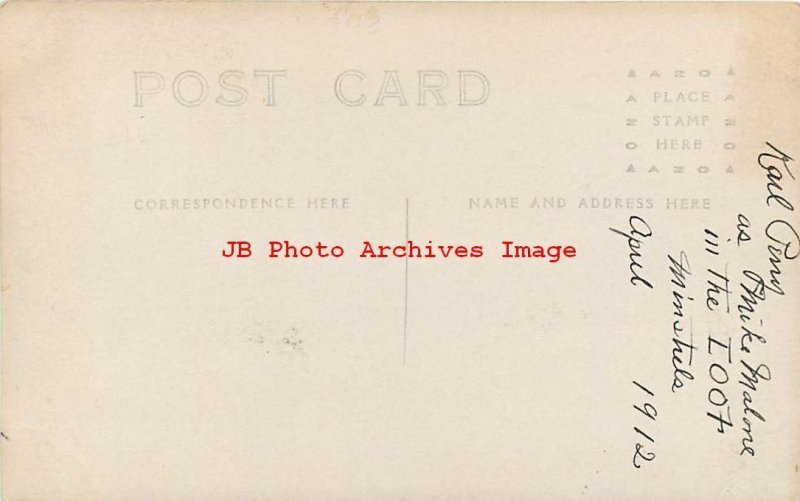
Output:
x=724 y=373
x=717 y=391
x=176 y=88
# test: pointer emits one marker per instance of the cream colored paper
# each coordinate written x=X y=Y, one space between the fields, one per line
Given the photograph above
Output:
x=139 y=363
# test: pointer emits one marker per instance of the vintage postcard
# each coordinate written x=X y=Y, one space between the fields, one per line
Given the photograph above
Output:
x=400 y=251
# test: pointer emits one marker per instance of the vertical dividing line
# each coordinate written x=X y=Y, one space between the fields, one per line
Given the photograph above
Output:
x=405 y=297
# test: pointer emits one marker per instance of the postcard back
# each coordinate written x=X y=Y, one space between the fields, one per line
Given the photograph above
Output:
x=428 y=251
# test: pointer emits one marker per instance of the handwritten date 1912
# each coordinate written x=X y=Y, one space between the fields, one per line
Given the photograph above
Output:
x=641 y=453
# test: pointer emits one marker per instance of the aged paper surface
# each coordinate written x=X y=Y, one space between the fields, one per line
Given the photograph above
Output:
x=589 y=287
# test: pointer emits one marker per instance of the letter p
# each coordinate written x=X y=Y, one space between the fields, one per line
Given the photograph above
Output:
x=146 y=82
